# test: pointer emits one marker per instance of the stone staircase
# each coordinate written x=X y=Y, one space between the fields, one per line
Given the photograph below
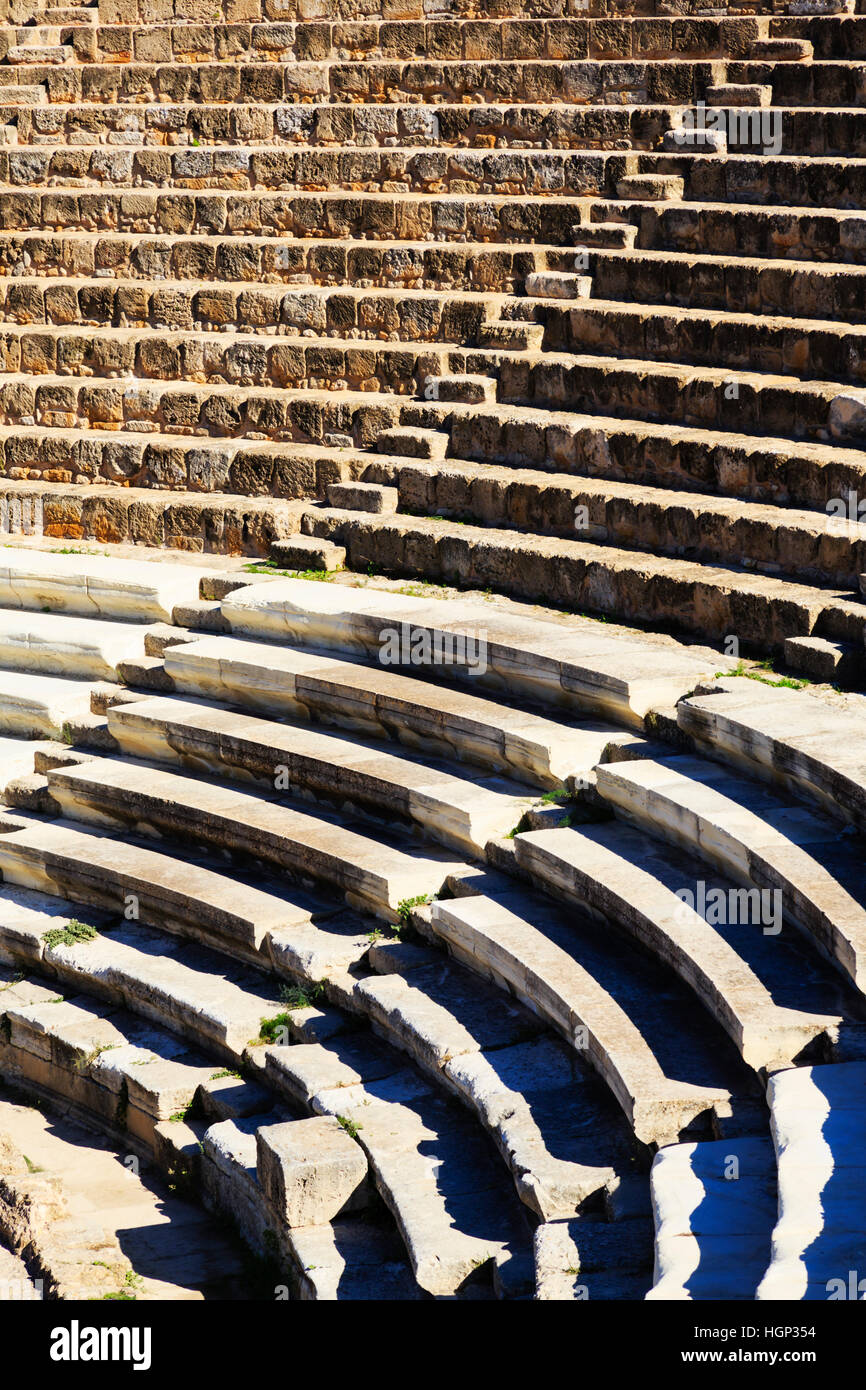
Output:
x=361 y=951
x=495 y=944
x=234 y=236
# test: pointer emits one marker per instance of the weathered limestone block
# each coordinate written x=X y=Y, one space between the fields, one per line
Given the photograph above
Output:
x=310 y=1170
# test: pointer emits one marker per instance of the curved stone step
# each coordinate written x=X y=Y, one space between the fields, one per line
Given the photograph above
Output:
x=461 y=812
x=95 y=585
x=818 y=1120
x=137 y=883
x=714 y=1207
x=591 y=1260
x=573 y=664
x=544 y=1115
x=545 y=969
x=280 y=681
x=770 y=998
x=806 y=746
x=34 y=706
x=123 y=1070
x=215 y=1004
x=640 y=587
x=71 y=646
x=259 y=1171
x=134 y=1078
x=748 y=832
x=372 y=874
x=431 y=1168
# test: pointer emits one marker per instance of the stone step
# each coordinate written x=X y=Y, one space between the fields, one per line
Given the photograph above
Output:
x=782 y=51
x=95 y=585
x=817 y=1122
x=824 y=661
x=45 y=331
x=432 y=1169
x=446 y=37
x=284 y=682
x=362 y=497
x=186 y=516
x=110 y=1063
x=180 y=521
x=738 y=284
x=373 y=874
x=525 y=124
x=78 y=648
x=284 y=260
x=744 y=967
x=766 y=469
x=556 y=284
x=739 y=94
x=188 y=990
x=714 y=397
x=462 y=812
x=604 y=235
x=748 y=832
x=708 y=601
x=651 y=81
x=657 y=187
x=562 y=1138
x=447 y=1027
x=802 y=544
x=373 y=79
x=692 y=139
x=267 y=1173
x=714 y=1207
x=512 y=336
x=137 y=883
x=529 y=948
x=121 y=308
x=307 y=553
x=606 y=325
x=464 y=387
x=786 y=737
x=145 y=1087
x=413 y=443
x=573 y=665
x=583 y=1259
x=835 y=234
x=36 y=706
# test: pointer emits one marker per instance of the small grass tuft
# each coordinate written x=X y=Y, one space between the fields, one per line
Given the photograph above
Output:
x=404 y=908
x=302 y=996
x=271 y=1026
x=351 y=1127
x=70 y=935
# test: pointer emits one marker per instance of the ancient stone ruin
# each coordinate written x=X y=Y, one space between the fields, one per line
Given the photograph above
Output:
x=432 y=611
